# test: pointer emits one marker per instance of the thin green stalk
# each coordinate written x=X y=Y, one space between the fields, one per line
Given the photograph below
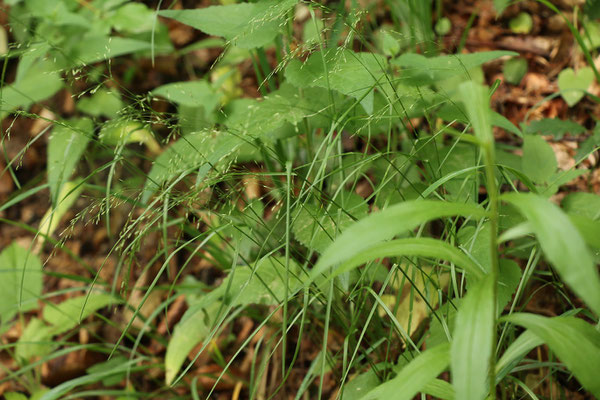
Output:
x=492 y=190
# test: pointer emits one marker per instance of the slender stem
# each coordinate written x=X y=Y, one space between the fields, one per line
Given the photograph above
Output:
x=492 y=191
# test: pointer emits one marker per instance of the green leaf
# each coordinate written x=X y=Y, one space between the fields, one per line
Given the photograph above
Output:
x=518 y=349
x=585 y=204
x=264 y=284
x=386 y=224
x=554 y=127
x=133 y=18
x=190 y=94
x=360 y=385
x=472 y=341
x=196 y=151
x=412 y=378
x=575 y=342
x=92 y=49
x=573 y=85
x=69 y=314
x=246 y=25
x=40 y=81
x=68 y=194
x=514 y=70
x=521 y=24
x=476 y=100
x=103 y=103
x=21 y=283
x=419 y=247
x=121 y=132
x=538 y=162
x=316 y=228
x=65 y=147
x=35 y=341
x=562 y=244
x=589 y=229
x=350 y=73
x=421 y=70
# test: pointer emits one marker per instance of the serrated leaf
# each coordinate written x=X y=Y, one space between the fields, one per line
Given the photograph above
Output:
x=199 y=151
x=562 y=244
x=246 y=25
x=316 y=228
x=538 y=162
x=350 y=73
x=69 y=313
x=412 y=378
x=35 y=341
x=575 y=342
x=420 y=70
x=65 y=147
x=386 y=224
x=264 y=284
x=21 y=283
x=102 y=103
x=92 y=49
x=40 y=81
x=554 y=127
x=190 y=94
x=472 y=341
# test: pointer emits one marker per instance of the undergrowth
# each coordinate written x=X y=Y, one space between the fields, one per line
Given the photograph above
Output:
x=355 y=232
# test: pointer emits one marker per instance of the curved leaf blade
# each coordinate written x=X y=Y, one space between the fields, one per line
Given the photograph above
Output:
x=386 y=224
x=472 y=343
x=415 y=376
x=575 y=342
x=562 y=244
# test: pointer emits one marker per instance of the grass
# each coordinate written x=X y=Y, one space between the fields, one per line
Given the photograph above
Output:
x=355 y=233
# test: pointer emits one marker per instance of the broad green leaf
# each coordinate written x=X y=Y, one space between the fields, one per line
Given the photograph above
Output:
x=68 y=194
x=439 y=389
x=65 y=147
x=514 y=70
x=41 y=81
x=562 y=244
x=521 y=23
x=199 y=151
x=264 y=116
x=518 y=349
x=386 y=224
x=573 y=85
x=20 y=283
x=264 y=284
x=103 y=103
x=133 y=18
x=35 y=341
x=412 y=378
x=539 y=161
x=69 y=314
x=118 y=132
x=195 y=326
x=190 y=94
x=316 y=228
x=246 y=25
x=585 y=204
x=421 y=70
x=92 y=49
x=14 y=396
x=350 y=73
x=357 y=387
x=554 y=127
x=476 y=99
x=575 y=342
x=472 y=341
x=589 y=229
x=419 y=247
